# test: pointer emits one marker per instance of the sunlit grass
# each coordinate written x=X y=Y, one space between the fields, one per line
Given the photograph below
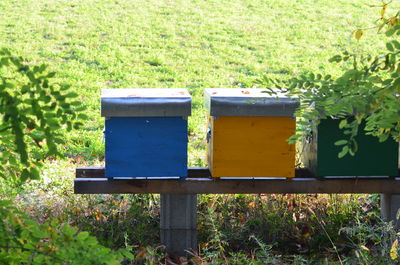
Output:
x=95 y=44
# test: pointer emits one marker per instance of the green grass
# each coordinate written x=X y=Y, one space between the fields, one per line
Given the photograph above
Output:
x=194 y=44
x=95 y=44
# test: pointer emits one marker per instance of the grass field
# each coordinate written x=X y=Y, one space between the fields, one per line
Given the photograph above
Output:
x=193 y=44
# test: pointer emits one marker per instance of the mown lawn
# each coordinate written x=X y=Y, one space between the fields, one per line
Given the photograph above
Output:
x=193 y=44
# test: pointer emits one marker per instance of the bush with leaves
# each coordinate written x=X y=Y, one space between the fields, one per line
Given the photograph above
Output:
x=34 y=114
x=365 y=96
x=24 y=241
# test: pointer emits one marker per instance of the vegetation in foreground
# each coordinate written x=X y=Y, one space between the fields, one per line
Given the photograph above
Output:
x=233 y=229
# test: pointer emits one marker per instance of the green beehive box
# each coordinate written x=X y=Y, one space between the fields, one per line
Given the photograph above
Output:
x=373 y=158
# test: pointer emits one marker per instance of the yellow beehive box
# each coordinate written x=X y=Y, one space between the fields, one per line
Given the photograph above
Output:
x=248 y=132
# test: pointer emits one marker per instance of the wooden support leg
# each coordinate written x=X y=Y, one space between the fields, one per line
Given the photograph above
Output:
x=390 y=204
x=179 y=223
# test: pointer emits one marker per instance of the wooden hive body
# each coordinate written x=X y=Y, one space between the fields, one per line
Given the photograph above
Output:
x=146 y=133
x=245 y=142
x=372 y=158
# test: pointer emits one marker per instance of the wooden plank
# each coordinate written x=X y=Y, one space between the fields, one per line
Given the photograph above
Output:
x=98 y=172
x=92 y=181
x=198 y=172
x=373 y=158
x=193 y=172
x=251 y=146
x=90 y=172
x=234 y=186
x=146 y=146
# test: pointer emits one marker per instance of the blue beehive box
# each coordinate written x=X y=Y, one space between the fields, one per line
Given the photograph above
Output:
x=145 y=132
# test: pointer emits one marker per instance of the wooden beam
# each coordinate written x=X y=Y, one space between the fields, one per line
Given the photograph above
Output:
x=92 y=181
x=193 y=172
x=89 y=172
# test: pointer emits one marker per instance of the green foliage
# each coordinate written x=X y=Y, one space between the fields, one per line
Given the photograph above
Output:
x=116 y=221
x=289 y=228
x=292 y=224
x=372 y=244
x=34 y=113
x=365 y=96
x=24 y=241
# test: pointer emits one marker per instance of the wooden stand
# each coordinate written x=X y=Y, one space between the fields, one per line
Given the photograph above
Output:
x=390 y=205
x=179 y=196
x=179 y=223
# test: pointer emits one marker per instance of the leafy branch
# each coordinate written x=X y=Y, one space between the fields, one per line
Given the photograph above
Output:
x=365 y=97
x=34 y=113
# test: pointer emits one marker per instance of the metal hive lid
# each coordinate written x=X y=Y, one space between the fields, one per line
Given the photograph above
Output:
x=248 y=102
x=148 y=102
